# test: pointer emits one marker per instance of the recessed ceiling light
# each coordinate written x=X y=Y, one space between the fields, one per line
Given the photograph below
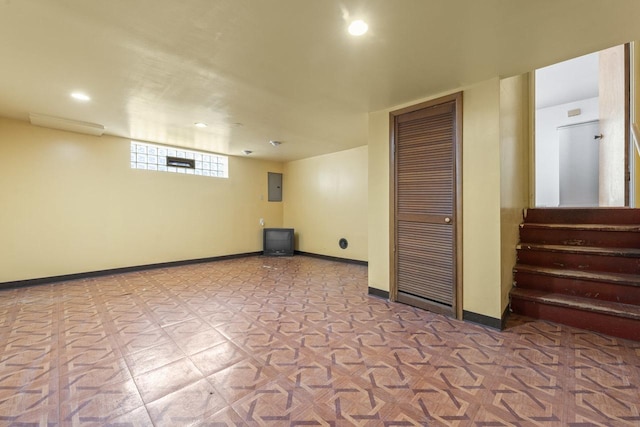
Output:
x=275 y=143
x=200 y=125
x=358 y=28
x=81 y=96
x=246 y=152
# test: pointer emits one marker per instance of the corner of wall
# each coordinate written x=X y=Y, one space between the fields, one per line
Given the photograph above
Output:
x=326 y=199
x=514 y=172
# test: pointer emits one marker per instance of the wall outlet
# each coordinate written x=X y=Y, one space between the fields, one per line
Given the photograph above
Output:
x=262 y=222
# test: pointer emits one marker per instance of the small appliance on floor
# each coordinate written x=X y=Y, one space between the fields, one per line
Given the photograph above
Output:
x=278 y=241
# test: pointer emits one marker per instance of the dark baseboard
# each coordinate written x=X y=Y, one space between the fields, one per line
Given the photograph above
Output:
x=379 y=293
x=505 y=317
x=90 y=274
x=333 y=258
x=481 y=319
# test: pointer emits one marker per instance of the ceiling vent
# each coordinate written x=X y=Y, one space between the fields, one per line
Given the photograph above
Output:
x=66 y=124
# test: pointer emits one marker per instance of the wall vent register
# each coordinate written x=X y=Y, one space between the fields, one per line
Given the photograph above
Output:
x=169 y=159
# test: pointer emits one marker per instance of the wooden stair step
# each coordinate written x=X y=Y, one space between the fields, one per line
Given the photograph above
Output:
x=600 y=235
x=578 y=303
x=623 y=228
x=580 y=267
x=584 y=250
x=617 y=278
x=607 y=215
x=596 y=290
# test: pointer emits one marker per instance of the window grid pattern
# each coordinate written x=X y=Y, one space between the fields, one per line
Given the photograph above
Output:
x=154 y=157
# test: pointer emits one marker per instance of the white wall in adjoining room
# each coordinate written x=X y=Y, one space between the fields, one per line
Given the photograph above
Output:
x=559 y=88
x=547 y=160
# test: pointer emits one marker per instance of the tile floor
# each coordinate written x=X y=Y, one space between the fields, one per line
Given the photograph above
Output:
x=290 y=342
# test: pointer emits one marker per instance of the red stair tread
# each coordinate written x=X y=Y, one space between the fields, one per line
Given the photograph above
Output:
x=586 y=227
x=618 y=278
x=595 y=215
x=587 y=250
x=578 y=303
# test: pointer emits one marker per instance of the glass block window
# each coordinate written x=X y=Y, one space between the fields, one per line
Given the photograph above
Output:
x=178 y=160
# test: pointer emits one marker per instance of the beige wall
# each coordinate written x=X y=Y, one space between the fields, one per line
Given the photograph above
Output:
x=481 y=197
x=514 y=172
x=378 y=218
x=481 y=200
x=71 y=204
x=325 y=199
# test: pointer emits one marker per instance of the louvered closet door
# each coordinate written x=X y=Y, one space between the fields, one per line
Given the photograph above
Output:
x=425 y=207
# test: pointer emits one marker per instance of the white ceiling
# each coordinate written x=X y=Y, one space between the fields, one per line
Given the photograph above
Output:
x=567 y=81
x=260 y=70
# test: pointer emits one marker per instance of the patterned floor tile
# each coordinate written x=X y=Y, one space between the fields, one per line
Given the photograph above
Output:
x=192 y=344
x=153 y=357
x=291 y=342
x=224 y=418
x=218 y=357
x=187 y=406
x=137 y=418
x=33 y=403
x=167 y=379
x=242 y=378
x=356 y=404
x=271 y=403
x=97 y=406
x=90 y=378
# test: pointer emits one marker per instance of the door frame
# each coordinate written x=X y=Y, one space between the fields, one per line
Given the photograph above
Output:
x=457 y=204
x=629 y=161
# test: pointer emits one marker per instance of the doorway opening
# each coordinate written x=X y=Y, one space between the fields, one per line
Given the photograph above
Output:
x=583 y=154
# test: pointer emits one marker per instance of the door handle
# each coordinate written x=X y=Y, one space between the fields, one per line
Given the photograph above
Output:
x=447 y=220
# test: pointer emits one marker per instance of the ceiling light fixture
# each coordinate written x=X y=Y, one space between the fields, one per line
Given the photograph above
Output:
x=81 y=96
x=200 y=125
x=275 y=143
x=246 y=152
x=358 y=28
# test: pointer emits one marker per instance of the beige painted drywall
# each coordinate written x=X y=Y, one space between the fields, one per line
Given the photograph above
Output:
x=378 y=218
x=481 y=200
x=481 y=197
x=514 y=172
x=71 y=204
x=325 y=199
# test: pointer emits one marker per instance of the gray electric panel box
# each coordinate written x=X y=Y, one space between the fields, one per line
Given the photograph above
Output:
x=275 y=186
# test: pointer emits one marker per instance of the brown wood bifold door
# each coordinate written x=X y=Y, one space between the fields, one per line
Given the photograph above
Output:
x=425 y=204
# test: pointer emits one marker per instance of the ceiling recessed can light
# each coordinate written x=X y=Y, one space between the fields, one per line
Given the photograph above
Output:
x=200 y=125
x=358 y=28
x=275 y=143
x=246 y=152
x=80 y=96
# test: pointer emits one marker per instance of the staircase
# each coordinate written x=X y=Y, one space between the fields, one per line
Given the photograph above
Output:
x=580 y=267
